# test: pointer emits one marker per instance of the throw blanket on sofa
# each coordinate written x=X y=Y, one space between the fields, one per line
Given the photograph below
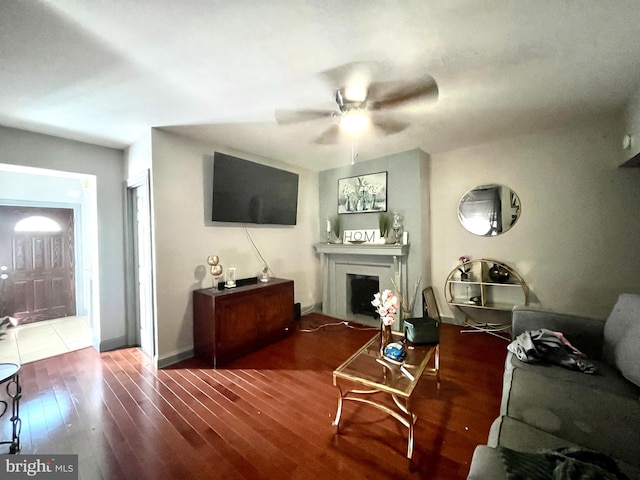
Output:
x=569 y=463
x=546 y=346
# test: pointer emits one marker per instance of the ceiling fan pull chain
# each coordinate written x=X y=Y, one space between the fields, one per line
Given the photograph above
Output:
x=354 y=154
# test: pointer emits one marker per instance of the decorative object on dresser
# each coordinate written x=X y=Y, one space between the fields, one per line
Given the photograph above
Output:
x=215 y=268
x=491 y=286
x=264 y=275
x=230 y=323
x=230 y=277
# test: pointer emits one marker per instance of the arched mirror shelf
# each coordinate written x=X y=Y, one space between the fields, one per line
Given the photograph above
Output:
x=489 y=210
x=485 y=285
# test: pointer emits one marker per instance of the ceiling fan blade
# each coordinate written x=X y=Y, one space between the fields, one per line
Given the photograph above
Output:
x=388 y=127
x=286 y=117
x=392 y=94
x=329 y=136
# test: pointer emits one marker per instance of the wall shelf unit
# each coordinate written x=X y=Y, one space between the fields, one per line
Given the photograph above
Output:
x=491 y=285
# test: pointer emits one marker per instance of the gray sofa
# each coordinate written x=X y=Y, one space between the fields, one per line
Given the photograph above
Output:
x=547 y=406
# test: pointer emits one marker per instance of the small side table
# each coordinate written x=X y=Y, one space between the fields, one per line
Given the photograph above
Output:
x=9 y=376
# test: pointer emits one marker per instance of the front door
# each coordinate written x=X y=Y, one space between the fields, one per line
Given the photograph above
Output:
x=37 y=280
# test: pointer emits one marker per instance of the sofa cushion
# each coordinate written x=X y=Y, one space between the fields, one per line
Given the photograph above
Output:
x=486 y=464
x=576 y=407
x=574 y=463
x=510 y=433
x=604 y=378
x=622 y=337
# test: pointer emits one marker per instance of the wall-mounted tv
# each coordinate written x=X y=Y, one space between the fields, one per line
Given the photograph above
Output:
x=249 y=192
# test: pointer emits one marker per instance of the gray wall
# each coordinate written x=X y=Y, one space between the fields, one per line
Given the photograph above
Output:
x=18 y=147
x=407 y=192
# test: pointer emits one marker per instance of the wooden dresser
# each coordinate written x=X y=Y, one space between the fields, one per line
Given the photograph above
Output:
x=233 y=322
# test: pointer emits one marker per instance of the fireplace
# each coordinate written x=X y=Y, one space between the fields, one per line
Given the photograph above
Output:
x=342 y=263
x=363 y=288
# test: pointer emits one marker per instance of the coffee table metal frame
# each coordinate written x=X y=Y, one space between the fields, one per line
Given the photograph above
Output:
x=366 y=367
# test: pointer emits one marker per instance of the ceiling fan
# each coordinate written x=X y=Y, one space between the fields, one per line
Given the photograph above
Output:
x=361 y=102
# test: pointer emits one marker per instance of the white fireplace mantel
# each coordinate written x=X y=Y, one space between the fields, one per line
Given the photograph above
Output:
x=338 y=261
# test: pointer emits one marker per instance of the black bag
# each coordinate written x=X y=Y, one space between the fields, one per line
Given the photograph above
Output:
x=422 y=331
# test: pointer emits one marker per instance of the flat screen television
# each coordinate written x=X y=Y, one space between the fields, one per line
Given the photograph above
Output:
x=249 y=192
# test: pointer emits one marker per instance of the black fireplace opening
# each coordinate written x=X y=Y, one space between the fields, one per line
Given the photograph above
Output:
x=363 y=288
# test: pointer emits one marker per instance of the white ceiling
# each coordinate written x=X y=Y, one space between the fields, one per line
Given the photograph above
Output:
x=105 y=71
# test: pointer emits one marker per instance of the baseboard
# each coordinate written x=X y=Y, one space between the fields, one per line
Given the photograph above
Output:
x=113 y=344
x=316 y=307
x=175 y=357
x=451 y=320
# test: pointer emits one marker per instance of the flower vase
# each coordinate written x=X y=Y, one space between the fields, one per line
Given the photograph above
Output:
x=385 y=336
x=464 y=276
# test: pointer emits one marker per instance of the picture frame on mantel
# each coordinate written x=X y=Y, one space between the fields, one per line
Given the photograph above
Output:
x=363 y=193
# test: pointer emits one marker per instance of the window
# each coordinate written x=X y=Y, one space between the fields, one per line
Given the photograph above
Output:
x=37 y=223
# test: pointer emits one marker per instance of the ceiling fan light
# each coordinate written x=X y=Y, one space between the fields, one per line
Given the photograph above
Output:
x=355 y=93
x=354 y=121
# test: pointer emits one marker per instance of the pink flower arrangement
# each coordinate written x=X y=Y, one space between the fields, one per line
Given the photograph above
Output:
x=387 y=305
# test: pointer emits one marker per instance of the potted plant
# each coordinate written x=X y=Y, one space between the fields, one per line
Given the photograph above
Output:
x=384 y=224
x=336 y=228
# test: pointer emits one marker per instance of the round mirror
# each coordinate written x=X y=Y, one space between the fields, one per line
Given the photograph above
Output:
x=489 y=210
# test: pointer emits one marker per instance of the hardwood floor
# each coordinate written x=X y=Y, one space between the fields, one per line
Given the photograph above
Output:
x=265 y=416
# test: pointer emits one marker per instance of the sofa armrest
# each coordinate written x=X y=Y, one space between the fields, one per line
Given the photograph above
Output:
x=585 y=333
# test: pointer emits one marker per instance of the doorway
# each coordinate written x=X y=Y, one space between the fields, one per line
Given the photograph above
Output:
x=37 y=263
x=74 y=193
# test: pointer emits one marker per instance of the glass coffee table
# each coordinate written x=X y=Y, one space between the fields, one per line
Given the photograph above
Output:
x=373 y=374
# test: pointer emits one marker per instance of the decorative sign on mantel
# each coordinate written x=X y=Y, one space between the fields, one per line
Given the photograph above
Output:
x=362 y=236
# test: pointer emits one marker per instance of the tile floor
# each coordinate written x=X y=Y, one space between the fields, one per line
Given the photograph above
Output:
x=35 y=341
